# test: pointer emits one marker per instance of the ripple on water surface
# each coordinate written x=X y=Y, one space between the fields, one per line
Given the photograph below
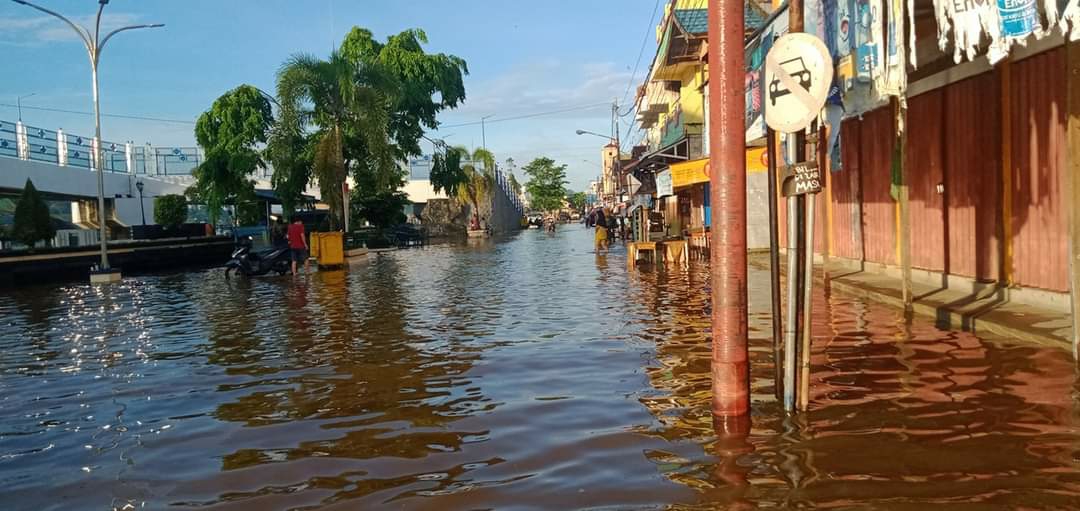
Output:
x=519 y=374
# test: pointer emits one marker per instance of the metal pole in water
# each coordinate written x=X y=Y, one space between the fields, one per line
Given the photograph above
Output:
x=790 y=323
x=808 y=294
x=774 y=267
x=730 y=351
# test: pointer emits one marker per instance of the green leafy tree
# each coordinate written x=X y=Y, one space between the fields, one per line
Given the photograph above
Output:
x=446 y=172
x=290 y=152
x=170 y=211
x=425 y=83
x=33 y=222
x=576 y=200
x=478 y=184
x=348 y=104
x=382 y=210
x=229 y=134
x=547 y=184
x=514 y=184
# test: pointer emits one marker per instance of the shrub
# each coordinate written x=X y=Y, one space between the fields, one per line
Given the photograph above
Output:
x=33 y=223
x=170 y=211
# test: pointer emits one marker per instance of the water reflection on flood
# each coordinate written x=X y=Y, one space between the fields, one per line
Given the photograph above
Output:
x=527 y=373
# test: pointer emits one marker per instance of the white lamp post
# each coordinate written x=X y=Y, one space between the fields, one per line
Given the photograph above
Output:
x=94 y=45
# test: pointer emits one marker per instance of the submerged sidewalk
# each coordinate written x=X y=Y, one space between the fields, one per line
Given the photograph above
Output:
x=986 y=311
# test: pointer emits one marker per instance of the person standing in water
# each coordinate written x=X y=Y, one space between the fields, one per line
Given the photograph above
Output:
x=601 y=231
x=298 y=245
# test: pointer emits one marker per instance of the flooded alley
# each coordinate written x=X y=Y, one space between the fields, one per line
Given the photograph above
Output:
x=521 y=373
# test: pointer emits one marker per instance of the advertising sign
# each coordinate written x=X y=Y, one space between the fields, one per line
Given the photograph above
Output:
x=1018 y=17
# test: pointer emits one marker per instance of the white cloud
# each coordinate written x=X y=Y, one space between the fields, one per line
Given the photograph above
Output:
x=541 y=86
x=38 y=28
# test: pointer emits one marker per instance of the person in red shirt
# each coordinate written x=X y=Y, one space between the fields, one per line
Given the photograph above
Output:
x=298 y=244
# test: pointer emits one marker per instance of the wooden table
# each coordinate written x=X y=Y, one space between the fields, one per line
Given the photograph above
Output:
x=677 y=251
x=635 y=248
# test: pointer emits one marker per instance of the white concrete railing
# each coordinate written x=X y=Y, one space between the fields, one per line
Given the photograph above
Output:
x=17 y=140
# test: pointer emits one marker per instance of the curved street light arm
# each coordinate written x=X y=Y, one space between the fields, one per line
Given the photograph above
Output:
x=83 y=33
x=101 y=45
x=97 y=21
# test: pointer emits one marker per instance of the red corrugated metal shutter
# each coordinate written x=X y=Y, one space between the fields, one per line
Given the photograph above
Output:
x=877 y=137
x=923 y=169
x=847 y=218
x=1040 y=244
x=973 y=176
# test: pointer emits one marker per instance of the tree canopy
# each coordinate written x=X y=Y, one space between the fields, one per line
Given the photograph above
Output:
x=170 y=211
x=425 y=83
x=33 y=222
x=369 y=104
x=229 y=134
x=547 y=184
x=576 y=200
x=347 y=102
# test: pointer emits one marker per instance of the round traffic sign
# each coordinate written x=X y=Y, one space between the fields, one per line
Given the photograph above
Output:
x=798 y=72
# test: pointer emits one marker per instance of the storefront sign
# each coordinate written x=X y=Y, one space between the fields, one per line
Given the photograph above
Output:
x=757 y=160
x=801 y=178
x=664 y=184
x=690 y=172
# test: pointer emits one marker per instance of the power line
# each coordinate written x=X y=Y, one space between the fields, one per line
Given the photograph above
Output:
x=641 y=51
x=527 y=116
x=117 y=116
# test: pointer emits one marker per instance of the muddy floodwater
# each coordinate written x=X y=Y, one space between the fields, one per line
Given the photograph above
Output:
x=522 y=373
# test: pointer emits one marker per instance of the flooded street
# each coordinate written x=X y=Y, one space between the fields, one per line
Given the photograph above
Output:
x=527 y=373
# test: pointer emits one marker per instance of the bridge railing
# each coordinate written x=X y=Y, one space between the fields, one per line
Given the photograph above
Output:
x=18 y=140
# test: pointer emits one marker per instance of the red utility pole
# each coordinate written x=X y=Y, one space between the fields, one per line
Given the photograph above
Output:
x=727 y=163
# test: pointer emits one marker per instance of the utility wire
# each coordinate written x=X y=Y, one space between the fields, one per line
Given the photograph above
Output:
x=527 y=116
x=117 y=116
x=641 y=52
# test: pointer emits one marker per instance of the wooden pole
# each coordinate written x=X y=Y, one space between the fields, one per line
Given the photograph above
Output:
x=904 y=210
x=1006 y=176
x=727 y=160
x=1072 y=62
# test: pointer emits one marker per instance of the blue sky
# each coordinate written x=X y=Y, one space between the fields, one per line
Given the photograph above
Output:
x=524 y=58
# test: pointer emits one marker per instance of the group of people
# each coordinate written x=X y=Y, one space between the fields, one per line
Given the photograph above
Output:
x=607 y=226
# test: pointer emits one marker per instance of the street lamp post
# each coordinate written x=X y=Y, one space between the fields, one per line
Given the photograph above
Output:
x=483 y=132
x=95 y=44
x=19 y=101
x=142 y=207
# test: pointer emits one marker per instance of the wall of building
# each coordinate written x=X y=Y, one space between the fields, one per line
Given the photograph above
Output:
x=983 y=153
x=504 y=216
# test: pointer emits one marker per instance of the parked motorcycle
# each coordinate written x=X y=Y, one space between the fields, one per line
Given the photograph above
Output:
x=251 y=263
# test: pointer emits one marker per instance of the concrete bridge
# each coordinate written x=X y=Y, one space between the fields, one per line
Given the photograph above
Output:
x=59 y=164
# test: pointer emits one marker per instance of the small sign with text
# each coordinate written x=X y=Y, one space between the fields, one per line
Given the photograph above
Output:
x=801 y=178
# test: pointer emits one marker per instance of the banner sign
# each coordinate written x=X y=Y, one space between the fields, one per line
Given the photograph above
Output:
x=1018 y=17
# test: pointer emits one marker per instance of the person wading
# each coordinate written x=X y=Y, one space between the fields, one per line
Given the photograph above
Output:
x=298 y=244
x=601 y=231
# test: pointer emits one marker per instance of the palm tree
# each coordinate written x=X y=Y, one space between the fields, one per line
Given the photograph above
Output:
x=346 y=102
x=479 y=183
